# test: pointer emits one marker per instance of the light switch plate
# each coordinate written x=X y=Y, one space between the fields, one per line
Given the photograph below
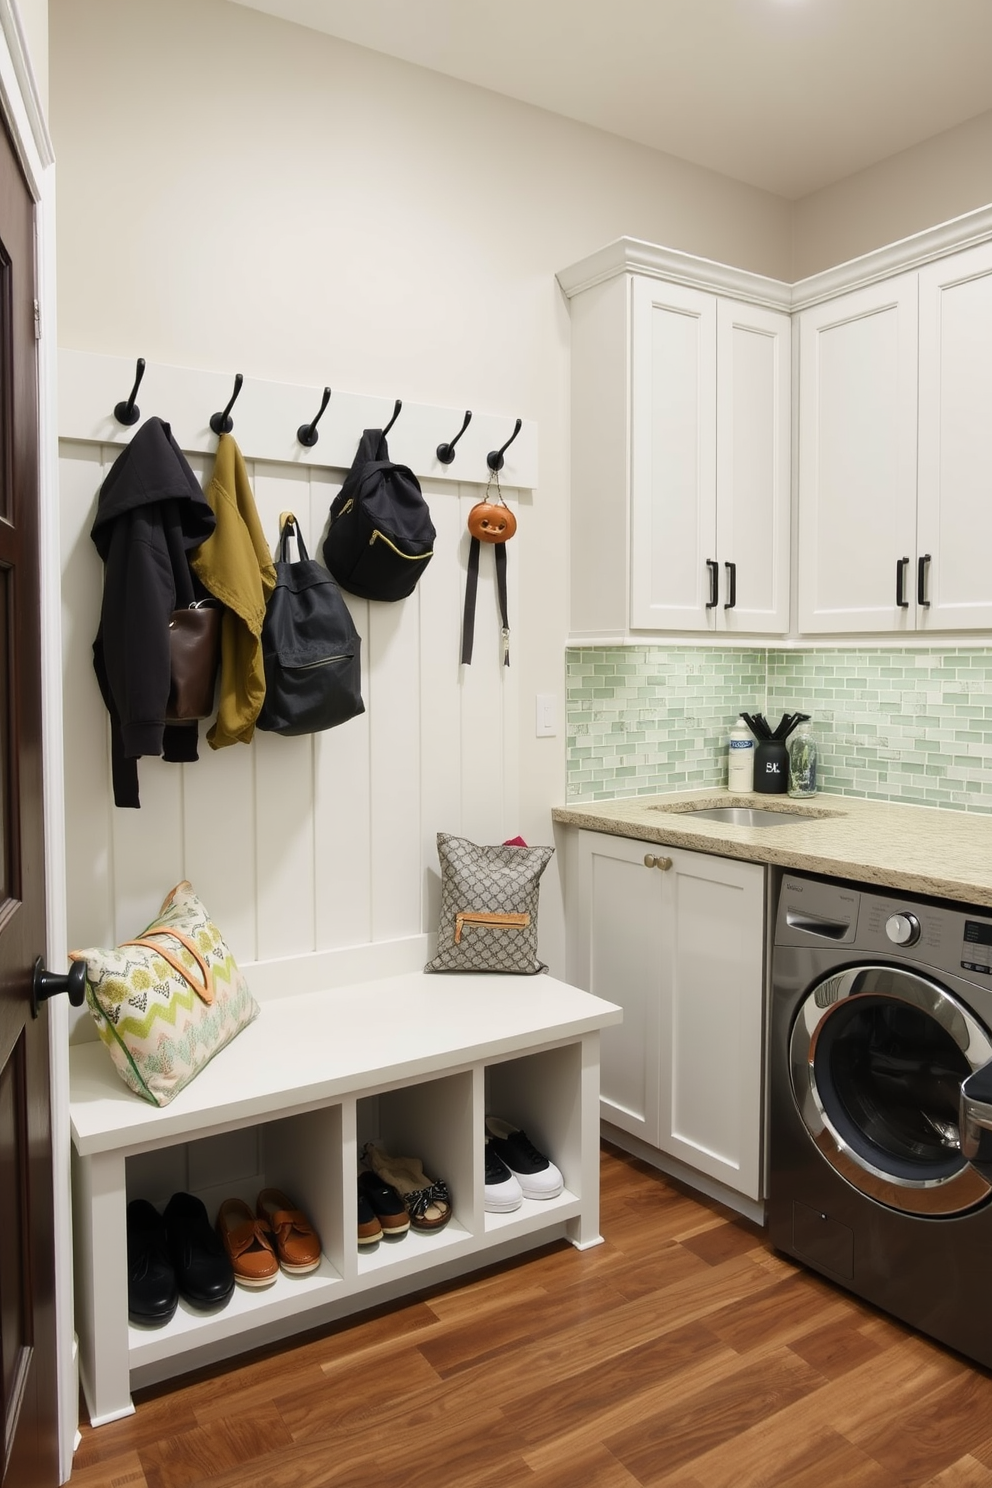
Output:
x=546 y=721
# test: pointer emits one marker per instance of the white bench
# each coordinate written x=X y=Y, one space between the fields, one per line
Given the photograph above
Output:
x=414 y=1060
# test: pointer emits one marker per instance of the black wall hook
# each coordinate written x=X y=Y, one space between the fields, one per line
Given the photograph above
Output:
x=307 y=433
x=494 y=459
x=129 y=413
x=446 y=452
x=396 y=414
x=222 y=423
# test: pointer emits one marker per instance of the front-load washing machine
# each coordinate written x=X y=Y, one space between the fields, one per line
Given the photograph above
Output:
x=880 y=1101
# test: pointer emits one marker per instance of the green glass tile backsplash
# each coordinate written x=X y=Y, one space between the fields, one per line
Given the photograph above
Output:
x=892 y=725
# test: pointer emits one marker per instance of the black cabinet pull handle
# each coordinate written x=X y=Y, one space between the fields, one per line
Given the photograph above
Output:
x=731 y=585
x=901 y=565
x=921 y=581
x=714 y=569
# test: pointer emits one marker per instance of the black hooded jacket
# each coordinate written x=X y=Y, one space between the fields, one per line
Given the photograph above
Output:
x=150 y=515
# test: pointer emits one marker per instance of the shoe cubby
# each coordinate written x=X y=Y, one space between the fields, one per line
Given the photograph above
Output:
x=300 y=1154
x=291 y=1110
x=541 y=1094
x=432 y=1121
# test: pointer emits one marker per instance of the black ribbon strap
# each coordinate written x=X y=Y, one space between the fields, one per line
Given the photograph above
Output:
x=471 y=589
x=471 y=592
x=500 y=556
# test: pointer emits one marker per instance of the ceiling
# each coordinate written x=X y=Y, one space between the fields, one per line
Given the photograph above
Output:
x=787 y=95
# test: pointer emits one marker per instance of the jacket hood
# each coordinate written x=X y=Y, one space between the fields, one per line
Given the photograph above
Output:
x=152 y=469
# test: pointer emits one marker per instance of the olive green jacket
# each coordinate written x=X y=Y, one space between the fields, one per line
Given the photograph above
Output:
x=235 y=564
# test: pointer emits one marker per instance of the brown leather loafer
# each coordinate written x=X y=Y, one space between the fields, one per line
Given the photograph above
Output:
x=297 y=1242
x=248 y=1243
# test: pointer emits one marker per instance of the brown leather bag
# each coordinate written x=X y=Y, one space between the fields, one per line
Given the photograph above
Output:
x=194 y=653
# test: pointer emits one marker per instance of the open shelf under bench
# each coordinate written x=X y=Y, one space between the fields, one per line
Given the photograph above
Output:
x=415 y=1061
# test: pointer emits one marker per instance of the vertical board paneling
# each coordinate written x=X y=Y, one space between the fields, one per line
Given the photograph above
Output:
x=484 y=810
x=148 y=847
x=220 y=834
x=342 y=784
x=306 y=844
x=394 y=756
x=441 y=595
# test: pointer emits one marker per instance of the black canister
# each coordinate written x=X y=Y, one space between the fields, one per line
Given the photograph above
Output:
x=771 y=767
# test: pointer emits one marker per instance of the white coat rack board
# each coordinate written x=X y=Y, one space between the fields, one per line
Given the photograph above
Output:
x=267 y=416
x=320 y=848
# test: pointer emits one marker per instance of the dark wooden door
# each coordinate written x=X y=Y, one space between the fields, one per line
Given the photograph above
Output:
x=27 y=1269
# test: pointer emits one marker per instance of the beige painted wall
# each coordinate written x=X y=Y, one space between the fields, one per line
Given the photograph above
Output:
x=238 y=193
x=943 y=177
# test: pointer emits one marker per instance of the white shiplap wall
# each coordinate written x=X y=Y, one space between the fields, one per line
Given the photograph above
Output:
x=311 y=848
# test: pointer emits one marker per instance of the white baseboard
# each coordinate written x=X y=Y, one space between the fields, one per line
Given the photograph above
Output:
x=711 y=1187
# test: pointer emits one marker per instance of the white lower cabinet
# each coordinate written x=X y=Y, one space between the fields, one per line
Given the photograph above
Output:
x=676 y=938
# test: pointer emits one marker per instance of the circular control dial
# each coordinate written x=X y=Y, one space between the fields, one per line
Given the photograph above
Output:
x=903 y=929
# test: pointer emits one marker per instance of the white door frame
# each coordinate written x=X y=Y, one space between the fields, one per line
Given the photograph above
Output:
x=25 y=119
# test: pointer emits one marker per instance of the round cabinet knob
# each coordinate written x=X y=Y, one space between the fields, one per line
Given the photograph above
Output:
x=46 y=984
x=651 y=860
x=903 y=929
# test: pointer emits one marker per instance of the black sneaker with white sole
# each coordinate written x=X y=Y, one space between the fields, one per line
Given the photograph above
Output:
x=537 y=1175
x=503 y=1192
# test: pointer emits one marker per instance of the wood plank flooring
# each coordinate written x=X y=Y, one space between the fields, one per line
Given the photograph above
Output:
x=683 y=1353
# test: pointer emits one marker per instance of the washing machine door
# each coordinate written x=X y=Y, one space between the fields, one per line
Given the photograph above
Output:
x=878 y=1056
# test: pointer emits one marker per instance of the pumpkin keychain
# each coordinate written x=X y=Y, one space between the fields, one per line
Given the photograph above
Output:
x=493 y=522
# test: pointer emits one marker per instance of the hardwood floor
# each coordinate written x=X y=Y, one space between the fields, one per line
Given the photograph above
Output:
x=683 y=1352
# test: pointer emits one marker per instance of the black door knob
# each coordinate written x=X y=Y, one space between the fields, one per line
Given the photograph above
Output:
x=46 y=984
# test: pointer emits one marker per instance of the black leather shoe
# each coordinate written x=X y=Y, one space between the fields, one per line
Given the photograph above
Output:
x=152 y=1293
x=204 y=1274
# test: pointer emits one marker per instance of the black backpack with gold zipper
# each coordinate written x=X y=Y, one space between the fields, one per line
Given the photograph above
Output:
x=381 y=537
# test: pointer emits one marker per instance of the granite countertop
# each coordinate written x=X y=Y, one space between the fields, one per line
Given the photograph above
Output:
x=918 y=848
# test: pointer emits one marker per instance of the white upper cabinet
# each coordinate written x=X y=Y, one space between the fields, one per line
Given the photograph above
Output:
x=673 y=456
x=679 y=513
x=954 y=504
x=857 y=460
x=753 y=474
x=895 y=453
x=683 y=395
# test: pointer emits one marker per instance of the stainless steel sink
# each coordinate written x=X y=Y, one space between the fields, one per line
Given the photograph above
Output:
x=746 y=816
x=737 y=814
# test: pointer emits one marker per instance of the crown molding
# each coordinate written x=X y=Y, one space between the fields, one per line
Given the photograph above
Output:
x=895 y=258
x=632 y=256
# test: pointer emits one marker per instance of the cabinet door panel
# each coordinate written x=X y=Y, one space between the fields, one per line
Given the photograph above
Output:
x=753 y=464
x=711 y=1018
x=620 y=908
x=673 y=456
x=682 y=951
x=955 y=477
x=857 y=457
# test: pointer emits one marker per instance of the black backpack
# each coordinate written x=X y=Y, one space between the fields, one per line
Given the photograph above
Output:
x=381 y=536
x=310 y=647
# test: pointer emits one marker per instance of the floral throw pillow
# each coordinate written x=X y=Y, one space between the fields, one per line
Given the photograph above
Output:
x=167 y=1001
